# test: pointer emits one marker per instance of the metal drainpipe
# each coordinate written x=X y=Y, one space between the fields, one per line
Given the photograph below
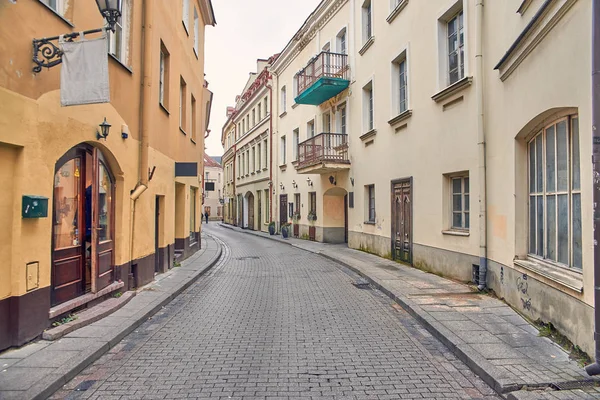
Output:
x=481 y=145
x=594 y=369
x=270 y=86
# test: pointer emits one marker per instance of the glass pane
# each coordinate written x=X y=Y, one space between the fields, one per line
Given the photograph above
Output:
x=452 y=27
x=452 y=43
x=456 y=185
x=551 y=223
x=540 y=226
x=104 y=204
x=577 y=231
x=550 y=161
x=532 y=214
x=532 y=166
x=67 y=191
x=457 y=202
x=576 y=183
x=467 y=204
x=563 y=229
x=562 y=154
x=467 y=185
x=538 y=165
x=462 y=63
x=453 y=61
x=467 y=220
x=457 y=220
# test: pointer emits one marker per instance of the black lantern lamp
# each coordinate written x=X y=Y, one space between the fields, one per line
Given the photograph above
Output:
x=111 y=10
x=104 y=129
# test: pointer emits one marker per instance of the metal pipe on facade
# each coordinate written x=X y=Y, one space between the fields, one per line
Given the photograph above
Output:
x=594 y=369
x=481 y=145
x=270 y=87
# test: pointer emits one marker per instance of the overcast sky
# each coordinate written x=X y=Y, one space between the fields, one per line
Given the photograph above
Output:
x=246 y=30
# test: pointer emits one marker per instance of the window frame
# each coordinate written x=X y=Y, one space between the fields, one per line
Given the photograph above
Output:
x=296 y=143
x=185 y=14
x=368 y=106
x=196 y=32
x=459 y=17
x=164 y=73
x=367 y=20
x=182 y=104
x=465 y=197
x=370 y=204
x=283 y=156
x=283 y=100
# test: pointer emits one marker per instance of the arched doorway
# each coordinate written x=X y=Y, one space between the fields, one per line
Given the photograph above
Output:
x=82 y=224
x=335 y=216
x=250 y=207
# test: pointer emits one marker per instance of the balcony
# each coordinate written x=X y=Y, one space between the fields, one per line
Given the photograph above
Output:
x=325 y=76
x=322 y=154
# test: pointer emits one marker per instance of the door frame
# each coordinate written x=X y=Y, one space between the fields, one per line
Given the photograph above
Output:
x=394 y=217
x=283 y=210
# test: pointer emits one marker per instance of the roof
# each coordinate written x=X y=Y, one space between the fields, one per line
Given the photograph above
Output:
x=209 y=162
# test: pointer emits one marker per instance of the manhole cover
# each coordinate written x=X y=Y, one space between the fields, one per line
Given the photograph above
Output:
x=83 y=386
x=362 y=284
x=574 y=385
x=247 y=258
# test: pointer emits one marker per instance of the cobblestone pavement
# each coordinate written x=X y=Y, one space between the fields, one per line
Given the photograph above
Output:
x=272 y=321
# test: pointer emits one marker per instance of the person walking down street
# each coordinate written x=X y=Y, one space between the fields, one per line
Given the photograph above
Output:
x=206 y=216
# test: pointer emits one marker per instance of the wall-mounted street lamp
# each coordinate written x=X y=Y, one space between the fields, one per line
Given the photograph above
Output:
x=294 y=184
x=309 y=181
x=332 y=180
x=51 y=54
x=281 y=186
x=104 y=130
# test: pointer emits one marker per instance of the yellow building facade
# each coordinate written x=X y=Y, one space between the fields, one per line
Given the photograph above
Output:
x=120 y=208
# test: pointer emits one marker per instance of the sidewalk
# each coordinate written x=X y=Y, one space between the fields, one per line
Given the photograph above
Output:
x=485 y=333
x=37 y=370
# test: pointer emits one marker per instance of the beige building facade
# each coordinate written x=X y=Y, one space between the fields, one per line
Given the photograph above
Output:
x=213 y=189
x=120 y=208
x=450 y=135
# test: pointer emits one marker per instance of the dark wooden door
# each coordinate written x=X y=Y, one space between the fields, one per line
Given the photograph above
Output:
x=259 y=198
x=251 y=211
x=402 y=220
x=103 y=224
x=346 y=219
x=68 y=233
x=156 y=234
x=283 y=209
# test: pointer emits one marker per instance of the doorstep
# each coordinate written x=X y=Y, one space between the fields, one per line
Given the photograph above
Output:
x=81 y=300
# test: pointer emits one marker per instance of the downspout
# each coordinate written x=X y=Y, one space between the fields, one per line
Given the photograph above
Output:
x=594 y=369
x=483 y=260
x=144 y=116
x=270 y=87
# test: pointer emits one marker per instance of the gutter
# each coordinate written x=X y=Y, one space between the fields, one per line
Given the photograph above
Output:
x=270 y=87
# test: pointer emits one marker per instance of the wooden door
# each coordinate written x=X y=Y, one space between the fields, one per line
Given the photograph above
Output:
x=259 y=198
x=68 y=228
x=157 y=267
x=251 y=211
x=103 y=224
x=402 y=220
x=346 y=219
x=283 y=209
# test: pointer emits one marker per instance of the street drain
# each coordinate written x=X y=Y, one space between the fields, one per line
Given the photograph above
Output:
x=247 y=258
x=83 y=386
x=362 y=284
x=574 y=385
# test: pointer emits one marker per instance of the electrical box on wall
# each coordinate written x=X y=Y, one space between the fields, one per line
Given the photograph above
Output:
x=34 y=206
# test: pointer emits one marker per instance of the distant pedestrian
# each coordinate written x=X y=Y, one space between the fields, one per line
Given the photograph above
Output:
x=206 y=216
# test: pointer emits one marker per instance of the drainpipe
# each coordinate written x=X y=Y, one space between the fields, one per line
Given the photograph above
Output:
x=594 y=369
x=481 y=146
x=270 y=87
x=144 y=123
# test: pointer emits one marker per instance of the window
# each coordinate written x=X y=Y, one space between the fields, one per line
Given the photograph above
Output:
x=253 y=159
x=247 y=162
x=267 y=208
x=456 y=52
x=296 y=137
x=253 y=117
x=368 y=118
x=266 y=105
x=207 y=175
x=119 y=40
x=238 y=166
x=555 y=193
x=193 y=201
x=327 y=122
x=297 y=202
x=399 y=84
x=247 y=122
x=164 y=76
x=259 y=107
x=185 y=13
x=283 y=150
x=370 y=194
x=259 y=157
x=196 y=31
x=266 y=153
x=342 y=119
x=367 y=21
x=460 y=202
x=194 y=117
x=243 y=164
x=342 y=46
x=56 y=5
x=182 y=104
x=310 y=128
x=283 y=100
x=312 y=197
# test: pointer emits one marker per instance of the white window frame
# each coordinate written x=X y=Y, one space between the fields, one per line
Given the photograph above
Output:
x=367 y=20
x=460 y=49
x=310 y=129
x=368 y=106
x=342 y=119
x=283 y=158
x=185 y=13
x=122 y=26
x=370 y=211
x=161 y=79
x=58 y=6
x=458 y=8
x=266 y=148
x=196 y=31
x=296 y=142
x=400 y=84
x=342 y=41
x=462 y=194
x=259 y=151
x=283 y=100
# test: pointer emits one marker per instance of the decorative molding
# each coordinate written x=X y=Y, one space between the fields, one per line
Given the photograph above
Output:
x=452 y=232
x=524 y=6
x=366 y=46
x=534 y=33
x=400 y=117
x=368 y=135
x=396 y=11
x=453 y=89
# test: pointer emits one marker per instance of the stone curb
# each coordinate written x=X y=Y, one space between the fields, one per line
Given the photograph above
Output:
x=48 y=385
x=480 y=366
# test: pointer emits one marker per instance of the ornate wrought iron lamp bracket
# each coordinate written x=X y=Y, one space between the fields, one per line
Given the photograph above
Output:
x=47 y=54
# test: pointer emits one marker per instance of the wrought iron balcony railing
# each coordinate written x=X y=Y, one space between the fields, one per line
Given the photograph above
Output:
x=323 y=148
x=324 y=65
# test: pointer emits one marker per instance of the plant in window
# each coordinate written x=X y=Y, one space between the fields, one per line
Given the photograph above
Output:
x=312 y=217
x=296 y=217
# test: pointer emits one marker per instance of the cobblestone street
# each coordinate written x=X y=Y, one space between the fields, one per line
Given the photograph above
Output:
x=273 y=321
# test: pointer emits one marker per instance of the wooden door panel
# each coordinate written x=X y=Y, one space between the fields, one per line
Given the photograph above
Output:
x=283 y=205
x=67 y=279
x=402 y=221
x=105 y=269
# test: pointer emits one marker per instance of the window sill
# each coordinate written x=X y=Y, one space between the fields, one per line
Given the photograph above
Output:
x=66 y=21
x=370 y=134
x=283 y=167
x=366 y=46
x=164 y=108
x=294 y=105
x=369 y=222
x=396 y=11
x=283 y=114
x=570 y=279
x=192 y=140
x=294 y=163
x=120 y=63
x=265 y=168
x=182 y=131
x=453 y=89
x=400 y=117
x=196 y=53
x=251 y=173
x=455 y=232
